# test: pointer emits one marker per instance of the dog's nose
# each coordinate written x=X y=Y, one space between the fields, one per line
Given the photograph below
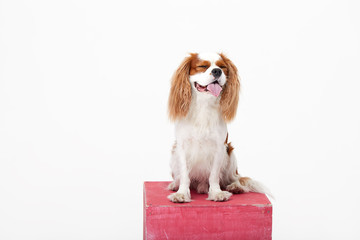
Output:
x=216 y=72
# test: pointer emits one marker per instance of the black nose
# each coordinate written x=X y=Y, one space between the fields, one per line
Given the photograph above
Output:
x=216 y=72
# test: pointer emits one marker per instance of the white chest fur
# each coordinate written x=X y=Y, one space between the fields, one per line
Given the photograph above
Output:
x=201 y=134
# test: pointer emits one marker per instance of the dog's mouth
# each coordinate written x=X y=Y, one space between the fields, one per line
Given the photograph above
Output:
x=214 y=88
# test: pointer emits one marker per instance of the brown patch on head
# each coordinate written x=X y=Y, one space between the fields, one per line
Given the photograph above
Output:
x=221 y=64
x=180 y=91
x=230 y=94
x=244 y=180
x=199 y=66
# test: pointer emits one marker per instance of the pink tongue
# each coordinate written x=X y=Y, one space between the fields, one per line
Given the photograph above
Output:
x=214 y=89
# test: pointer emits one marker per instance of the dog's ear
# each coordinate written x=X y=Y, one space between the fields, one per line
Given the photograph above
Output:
x=180 y=91
x=230 y=94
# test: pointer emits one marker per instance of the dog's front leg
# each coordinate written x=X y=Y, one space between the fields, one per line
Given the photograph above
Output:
x=215 y=192
x=183 y=194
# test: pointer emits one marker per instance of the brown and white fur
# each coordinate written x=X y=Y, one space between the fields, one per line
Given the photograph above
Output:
x=203 y=97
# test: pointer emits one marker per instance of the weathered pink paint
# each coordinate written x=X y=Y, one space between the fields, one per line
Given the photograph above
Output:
x=244 y=216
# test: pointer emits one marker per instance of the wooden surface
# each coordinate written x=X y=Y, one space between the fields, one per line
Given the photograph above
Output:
x=244 y=216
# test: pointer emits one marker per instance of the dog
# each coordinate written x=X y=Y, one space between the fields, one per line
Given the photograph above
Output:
x=203 y=98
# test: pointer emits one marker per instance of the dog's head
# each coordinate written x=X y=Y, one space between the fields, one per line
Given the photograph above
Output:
x=205 y=73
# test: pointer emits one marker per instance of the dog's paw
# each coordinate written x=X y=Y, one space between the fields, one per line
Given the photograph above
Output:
x=236 y=188
x=179 y=197
x=173 y=187
x=202 y=188
x=219 y=196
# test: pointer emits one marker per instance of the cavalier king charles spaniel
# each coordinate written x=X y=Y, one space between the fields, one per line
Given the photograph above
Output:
x=203 y=97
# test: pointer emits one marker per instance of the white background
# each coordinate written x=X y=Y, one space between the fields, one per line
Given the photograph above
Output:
x=83 y=110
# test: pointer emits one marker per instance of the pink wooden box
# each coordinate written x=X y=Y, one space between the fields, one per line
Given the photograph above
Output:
x=244 y=216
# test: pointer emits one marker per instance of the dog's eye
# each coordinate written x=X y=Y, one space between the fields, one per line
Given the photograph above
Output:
x=222 y=67
x=202 y=66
